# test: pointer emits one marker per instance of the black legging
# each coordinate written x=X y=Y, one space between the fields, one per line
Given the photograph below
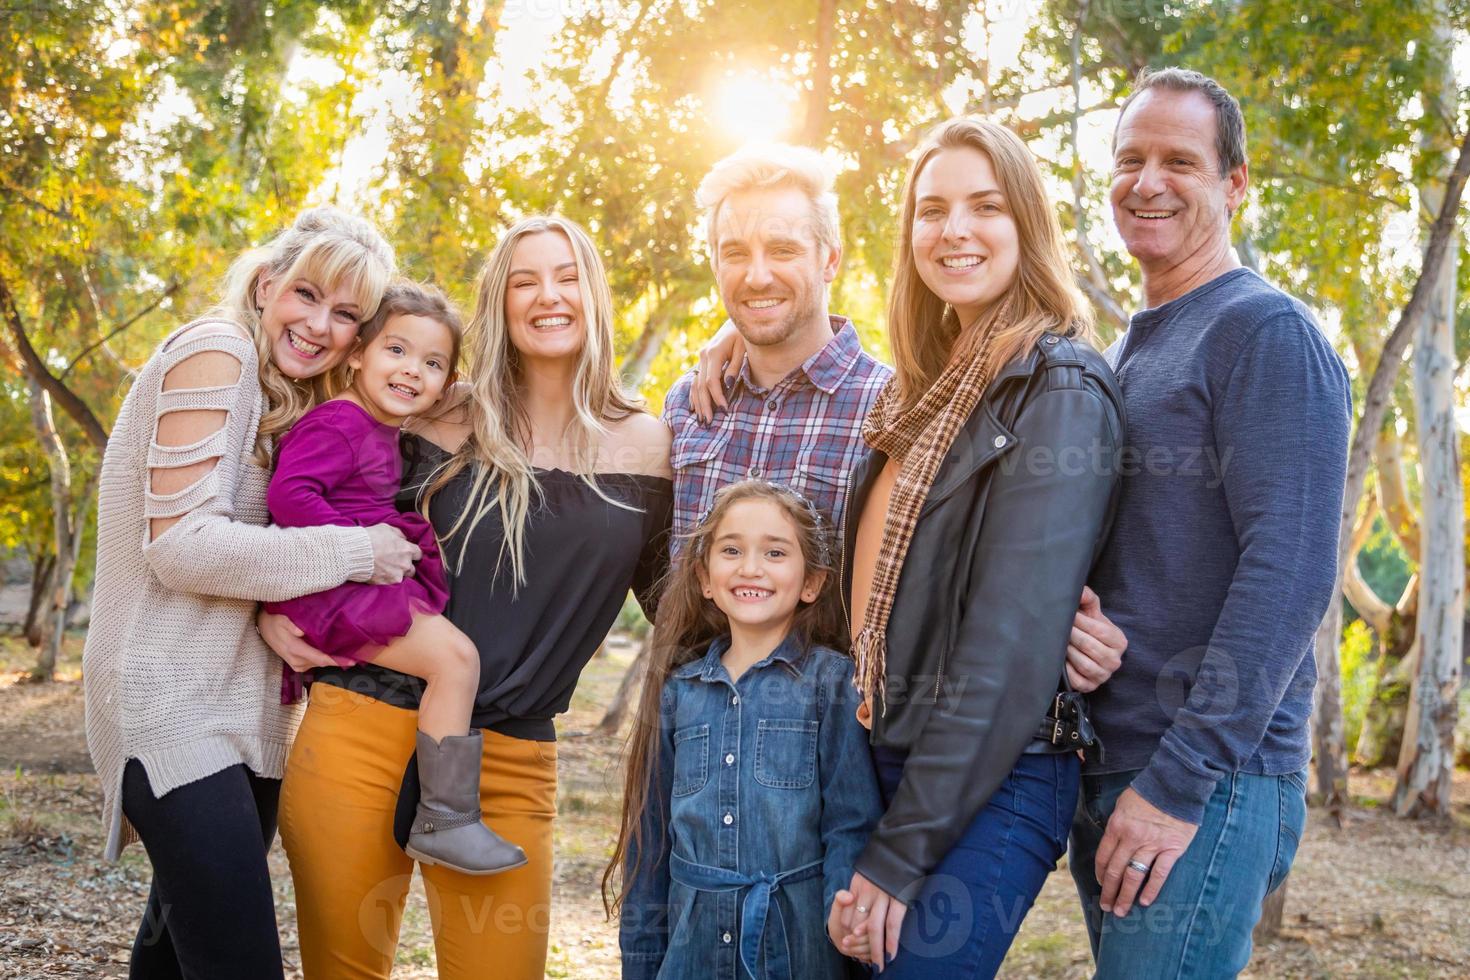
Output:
x=211 y=914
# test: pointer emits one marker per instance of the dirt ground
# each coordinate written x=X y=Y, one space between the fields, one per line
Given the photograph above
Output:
x=1378 y=898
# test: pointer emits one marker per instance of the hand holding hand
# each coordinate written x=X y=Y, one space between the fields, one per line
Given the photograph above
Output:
x=838 y=919
x=875 y=921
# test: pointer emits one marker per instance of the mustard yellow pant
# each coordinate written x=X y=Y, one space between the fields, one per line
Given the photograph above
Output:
x=352 y=880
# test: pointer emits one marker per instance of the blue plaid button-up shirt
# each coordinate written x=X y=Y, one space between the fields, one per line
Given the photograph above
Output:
x=804 y=431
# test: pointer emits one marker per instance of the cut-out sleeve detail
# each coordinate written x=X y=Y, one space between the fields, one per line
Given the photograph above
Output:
x=215 y=537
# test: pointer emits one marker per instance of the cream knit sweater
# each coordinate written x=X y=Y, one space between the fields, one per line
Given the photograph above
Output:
x=175 y=674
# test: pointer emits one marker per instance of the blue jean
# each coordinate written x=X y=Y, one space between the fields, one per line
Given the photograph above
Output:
x=968 y=911
x=1200 y=925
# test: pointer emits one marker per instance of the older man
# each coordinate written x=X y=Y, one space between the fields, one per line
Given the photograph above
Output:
x=1221 y=562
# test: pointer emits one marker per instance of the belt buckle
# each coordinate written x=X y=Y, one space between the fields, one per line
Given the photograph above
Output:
x=1056 y=713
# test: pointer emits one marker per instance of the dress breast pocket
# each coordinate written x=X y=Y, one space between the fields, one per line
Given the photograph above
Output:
x=691 y=759
x=786 y=753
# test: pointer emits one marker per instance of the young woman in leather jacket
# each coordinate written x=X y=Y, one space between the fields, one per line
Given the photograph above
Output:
x=973 y=522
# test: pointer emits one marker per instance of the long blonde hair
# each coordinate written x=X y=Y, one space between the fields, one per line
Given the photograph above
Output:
x=498 y=450
x=330 y=248
x=923 y=330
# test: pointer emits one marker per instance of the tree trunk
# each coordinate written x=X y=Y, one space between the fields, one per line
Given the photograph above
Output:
x=814 y=126
x=1329 y=745
x=41 y=571
x=1095 y=281
x=41 y=376
x=628 y=690
x=1426 y=762
x=1273 y=909
x=1329 y=740
x=52 y=615
x=639 y=358
x=1382 y=735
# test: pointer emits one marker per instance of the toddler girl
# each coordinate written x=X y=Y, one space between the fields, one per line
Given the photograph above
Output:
x=340 y=464
x=750 y=787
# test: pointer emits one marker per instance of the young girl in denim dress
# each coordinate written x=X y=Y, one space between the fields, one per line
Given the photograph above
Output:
x=750 y=787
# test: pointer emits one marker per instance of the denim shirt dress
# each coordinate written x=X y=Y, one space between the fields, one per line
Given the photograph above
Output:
x=763 y=796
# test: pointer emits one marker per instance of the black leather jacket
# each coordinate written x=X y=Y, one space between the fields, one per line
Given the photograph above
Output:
x=977 y=638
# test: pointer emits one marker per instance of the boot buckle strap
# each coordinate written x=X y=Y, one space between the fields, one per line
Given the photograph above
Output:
x=429 y=821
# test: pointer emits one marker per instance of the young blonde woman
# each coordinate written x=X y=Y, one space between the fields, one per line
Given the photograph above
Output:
x=550 y=491
x=184 y=721
x=986 y=495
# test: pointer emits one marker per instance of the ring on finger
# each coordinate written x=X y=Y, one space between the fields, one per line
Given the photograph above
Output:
x=860 y=909
x=1139 y=866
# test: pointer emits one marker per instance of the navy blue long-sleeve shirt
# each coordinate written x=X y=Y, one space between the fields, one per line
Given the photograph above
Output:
x=1224 y=551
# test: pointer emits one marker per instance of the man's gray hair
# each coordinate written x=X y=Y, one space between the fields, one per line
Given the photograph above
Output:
x=1229 y=122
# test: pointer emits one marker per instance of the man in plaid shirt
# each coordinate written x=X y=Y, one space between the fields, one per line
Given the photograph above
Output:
x=795 y=406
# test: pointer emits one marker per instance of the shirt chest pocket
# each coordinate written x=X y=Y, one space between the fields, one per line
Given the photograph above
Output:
x=691 y=759
x=786 y=753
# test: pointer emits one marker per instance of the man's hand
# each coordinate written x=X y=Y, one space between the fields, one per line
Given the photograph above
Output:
x=1138 y=831
x=1096 y=647
x=872 y=923
x=282 y=636
x=722 y=356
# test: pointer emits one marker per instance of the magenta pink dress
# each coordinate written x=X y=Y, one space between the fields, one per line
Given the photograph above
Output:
x=338 y=465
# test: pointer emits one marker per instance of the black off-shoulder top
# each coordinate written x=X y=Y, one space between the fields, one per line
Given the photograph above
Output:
x=582 y=555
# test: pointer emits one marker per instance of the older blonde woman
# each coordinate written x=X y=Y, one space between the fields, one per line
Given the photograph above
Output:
x=550 y=490
x=183 y=718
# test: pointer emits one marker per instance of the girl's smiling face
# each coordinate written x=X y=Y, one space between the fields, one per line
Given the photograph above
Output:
x=754 y=570
x=404 y=369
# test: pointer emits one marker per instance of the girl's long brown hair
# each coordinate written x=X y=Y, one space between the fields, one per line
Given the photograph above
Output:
x=687 y=623
x=923 y=330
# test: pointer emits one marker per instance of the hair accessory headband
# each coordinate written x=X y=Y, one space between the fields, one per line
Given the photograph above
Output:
x=819 y=520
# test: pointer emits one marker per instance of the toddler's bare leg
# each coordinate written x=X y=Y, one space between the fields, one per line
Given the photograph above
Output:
x=436 y=651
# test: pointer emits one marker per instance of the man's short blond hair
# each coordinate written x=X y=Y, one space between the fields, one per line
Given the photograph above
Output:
x=773 y=165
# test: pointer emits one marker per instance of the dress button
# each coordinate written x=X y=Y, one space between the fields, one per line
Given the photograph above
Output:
x=729 y=819
x=1000 y=441
x=729 y=758
x=754 y=472
x=735 y=699
x=1051 y=340
x=726 y=937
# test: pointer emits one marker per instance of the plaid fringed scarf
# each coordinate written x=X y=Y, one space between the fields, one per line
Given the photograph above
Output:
x=917 y=441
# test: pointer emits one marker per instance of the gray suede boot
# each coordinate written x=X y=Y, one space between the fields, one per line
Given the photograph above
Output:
x=447 y=828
